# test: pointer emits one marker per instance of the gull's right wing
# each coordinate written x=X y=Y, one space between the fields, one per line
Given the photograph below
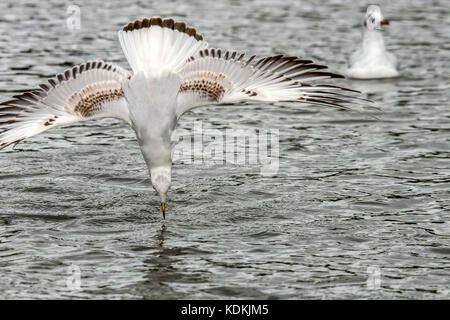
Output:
x=213 y=77
x=87 y=91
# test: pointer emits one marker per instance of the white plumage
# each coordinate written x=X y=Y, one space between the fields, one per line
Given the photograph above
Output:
x=173 y=72
x=371 y=60
x=62 y=100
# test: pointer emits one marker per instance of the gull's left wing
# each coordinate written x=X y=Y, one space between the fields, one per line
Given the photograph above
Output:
x=87 y=91
x=213 y=77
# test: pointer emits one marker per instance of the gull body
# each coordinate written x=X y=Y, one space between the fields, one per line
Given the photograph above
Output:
x=173 y=72
x=372 y=60
x=153 y=104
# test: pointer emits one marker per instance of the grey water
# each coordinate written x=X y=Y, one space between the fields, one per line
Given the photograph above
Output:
x=359 y=207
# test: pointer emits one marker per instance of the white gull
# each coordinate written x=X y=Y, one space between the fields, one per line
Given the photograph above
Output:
x=173 y=72
x=371 y=60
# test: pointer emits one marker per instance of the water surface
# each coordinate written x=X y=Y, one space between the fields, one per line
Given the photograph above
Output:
x=355 y=199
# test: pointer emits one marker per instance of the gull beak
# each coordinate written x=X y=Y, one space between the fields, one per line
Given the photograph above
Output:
x=384 y=22
x=163 y=209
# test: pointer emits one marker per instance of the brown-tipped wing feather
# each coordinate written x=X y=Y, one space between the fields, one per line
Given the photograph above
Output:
x=216 y=77
x=90 y=90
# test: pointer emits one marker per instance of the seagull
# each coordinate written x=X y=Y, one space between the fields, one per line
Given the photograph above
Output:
x=371 y=60
x=173 y=71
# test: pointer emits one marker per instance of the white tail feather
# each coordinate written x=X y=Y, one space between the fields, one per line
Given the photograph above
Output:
x=154 y=45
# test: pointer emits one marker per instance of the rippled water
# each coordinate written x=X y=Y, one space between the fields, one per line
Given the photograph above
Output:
x=360 y=207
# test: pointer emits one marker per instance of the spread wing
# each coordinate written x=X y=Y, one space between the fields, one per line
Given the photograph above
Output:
x=213 y=77
x=87 y=91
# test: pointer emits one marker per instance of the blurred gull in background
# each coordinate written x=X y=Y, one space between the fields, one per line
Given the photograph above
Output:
x=371 y=60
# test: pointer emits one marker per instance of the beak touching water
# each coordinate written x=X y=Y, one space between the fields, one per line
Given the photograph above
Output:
x=384 y=21
x=163 y=209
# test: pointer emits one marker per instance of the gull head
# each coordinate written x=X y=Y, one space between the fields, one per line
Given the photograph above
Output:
x=161 y=178
x=374 y=18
